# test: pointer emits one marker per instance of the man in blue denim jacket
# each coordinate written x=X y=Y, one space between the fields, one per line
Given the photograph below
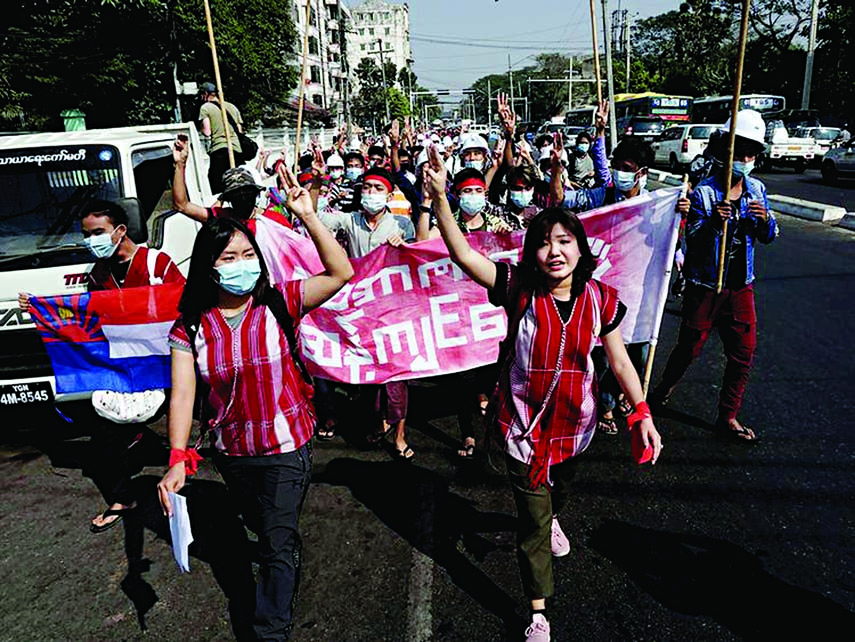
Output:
x=732 y=311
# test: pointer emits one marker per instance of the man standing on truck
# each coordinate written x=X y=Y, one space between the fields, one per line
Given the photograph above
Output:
x=119 y=263
x=213 y=128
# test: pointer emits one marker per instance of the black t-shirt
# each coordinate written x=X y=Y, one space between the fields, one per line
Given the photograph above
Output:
x=119 y=270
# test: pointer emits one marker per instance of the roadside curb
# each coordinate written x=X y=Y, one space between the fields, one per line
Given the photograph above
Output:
x=808 y=210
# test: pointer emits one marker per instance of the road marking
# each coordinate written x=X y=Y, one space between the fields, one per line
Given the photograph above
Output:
x=419 y=622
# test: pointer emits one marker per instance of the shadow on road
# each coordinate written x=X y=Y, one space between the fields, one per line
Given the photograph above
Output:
x=220 y=539
x=416 y=503
x=699 y=575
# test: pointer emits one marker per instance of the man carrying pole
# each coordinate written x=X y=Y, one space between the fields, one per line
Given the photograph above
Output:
x=729 y=214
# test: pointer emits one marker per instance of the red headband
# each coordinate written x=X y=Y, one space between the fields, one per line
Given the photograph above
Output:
x=472 y=182
x=378 y=177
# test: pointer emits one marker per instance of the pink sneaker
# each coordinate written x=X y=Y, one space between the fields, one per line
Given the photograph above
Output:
x=538 y=631
x=560 y=543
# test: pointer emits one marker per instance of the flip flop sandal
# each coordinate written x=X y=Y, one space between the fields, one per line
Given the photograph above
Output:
x=380 y=435
x=325 y=433
x=119 y=512
x=406 y=454
x=467 y=452
x=607 y=425
x=625 y=407
x=743 y=435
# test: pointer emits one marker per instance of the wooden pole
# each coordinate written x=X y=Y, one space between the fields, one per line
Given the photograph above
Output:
x=648 y=365
x=219 y=83
x=734 y=110
x=596 y=53
x=302 y=85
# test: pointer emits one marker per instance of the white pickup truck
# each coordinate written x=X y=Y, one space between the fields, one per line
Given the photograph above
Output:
x=784 y=151
x=45 y=179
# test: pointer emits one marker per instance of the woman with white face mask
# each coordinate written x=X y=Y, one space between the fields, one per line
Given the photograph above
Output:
x=240 y=333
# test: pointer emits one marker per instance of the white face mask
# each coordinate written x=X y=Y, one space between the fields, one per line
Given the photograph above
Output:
x=472 y=203
x=101 y=246
x=374 y=203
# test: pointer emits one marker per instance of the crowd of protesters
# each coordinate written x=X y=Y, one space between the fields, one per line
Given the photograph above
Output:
x=552 y=389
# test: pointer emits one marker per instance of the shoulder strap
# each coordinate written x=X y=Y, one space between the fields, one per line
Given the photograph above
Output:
x=276 y=302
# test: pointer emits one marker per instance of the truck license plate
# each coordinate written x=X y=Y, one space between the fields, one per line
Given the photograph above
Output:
x=22 y=394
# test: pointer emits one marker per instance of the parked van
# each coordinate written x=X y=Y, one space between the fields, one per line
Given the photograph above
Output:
x=45 y=179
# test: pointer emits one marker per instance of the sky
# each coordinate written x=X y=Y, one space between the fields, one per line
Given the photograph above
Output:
x=521 y=28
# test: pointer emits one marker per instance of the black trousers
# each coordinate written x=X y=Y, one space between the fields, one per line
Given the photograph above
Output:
x=269 y=492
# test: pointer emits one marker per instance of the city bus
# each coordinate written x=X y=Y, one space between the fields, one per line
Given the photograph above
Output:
x=581 y=116
x=716 y=109
x=653 y=105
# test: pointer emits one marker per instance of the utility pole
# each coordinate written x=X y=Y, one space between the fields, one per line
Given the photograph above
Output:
x=627 y=18
x=814 y=10
x=345 y=69
x=385 y=87
x=511 y=81
x=609 y=74
x=570 y=87
x=489 y=103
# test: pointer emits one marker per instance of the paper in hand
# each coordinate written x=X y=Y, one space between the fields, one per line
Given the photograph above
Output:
x=179 y=528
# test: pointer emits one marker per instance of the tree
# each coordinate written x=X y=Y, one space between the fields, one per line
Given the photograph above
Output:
x=833 y=75
x=115 y=59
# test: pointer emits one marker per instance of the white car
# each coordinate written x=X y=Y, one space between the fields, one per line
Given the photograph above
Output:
x=679 y=145
x=839 y=162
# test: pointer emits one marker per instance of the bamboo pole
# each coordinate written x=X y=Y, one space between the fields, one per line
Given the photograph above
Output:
x=219 y=83
x=302 y=86
x=596 y=53
x=737 y=90
x=651 y=353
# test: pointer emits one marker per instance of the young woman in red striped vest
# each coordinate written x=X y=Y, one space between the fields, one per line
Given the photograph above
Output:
x=240 y=333
x=545 y=402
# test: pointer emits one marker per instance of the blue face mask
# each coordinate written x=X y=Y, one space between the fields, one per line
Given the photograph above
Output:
x=101 y=246
x=474 y=164
x=374 y=202
x=472 y=203
x=354 y=172
x=742 y=169
x=583 y=148
x=624 y=181
x=239 y=277
x=335 y=174
x=522 y=198
x=323 y=203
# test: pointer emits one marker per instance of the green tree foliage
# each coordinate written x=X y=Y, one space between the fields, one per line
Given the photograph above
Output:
x=690 y=50
x=114 y=59
x=833 y=74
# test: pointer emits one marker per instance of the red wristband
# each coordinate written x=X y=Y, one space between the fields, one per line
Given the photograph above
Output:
x=642 y=412
x=190 y=458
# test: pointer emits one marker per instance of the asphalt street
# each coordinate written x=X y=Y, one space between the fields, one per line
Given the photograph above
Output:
x=809 y=186
x=718 y=542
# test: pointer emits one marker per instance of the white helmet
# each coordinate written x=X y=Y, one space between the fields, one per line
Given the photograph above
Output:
x=335 y=161
x=749 y=125
x=473 y=141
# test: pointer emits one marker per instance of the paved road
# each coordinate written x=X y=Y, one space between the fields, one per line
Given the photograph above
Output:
x=717 y=543
x=809 y=186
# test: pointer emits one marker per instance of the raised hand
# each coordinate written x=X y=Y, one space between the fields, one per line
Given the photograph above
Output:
x=506 y=114
x=298 y=201
x=435 y=174
x=319 y=167
x=395 y=132
x=557 y=149
x=180 y=148
x=602 y=117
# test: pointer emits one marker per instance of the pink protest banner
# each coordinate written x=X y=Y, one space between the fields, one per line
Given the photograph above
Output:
x=409 y=312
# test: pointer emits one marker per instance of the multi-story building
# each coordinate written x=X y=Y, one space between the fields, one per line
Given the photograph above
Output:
x=376 y=27
x=326 y=79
